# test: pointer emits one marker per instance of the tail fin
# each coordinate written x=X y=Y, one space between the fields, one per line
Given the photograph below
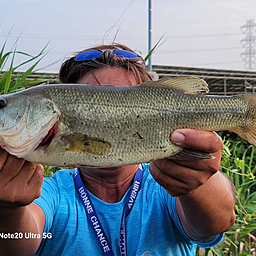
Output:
x=248 y=131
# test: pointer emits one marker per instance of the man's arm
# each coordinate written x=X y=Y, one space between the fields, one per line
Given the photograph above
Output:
x=205 y=197
x=20 y=184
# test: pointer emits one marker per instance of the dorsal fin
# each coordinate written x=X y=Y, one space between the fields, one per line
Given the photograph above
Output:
x=186 y=84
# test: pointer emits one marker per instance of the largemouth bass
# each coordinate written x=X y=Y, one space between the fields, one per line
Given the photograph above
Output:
x=107 y=126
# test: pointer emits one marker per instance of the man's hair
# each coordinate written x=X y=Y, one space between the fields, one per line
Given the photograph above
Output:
x=71 y=70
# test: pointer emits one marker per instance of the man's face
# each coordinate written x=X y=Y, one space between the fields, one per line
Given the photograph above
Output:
x=109 y=76
x=114 y=77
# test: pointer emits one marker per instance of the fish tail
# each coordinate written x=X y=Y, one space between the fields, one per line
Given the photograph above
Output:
x=248 y=131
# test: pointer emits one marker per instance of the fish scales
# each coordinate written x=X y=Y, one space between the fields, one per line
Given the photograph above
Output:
x=120 y=120
x=105 y=126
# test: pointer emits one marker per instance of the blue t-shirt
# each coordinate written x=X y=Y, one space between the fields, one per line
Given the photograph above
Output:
x=153 y=226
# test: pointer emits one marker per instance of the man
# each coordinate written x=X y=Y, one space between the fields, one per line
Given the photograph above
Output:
x=174 y=205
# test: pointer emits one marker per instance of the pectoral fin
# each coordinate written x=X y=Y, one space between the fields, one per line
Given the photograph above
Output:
x=84 y=144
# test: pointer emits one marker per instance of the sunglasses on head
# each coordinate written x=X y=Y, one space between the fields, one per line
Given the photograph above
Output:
x=92 y=54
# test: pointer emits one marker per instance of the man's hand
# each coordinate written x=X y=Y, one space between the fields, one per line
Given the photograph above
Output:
x=20 y=184
x=205 y=197
x=20 y=181
x=183 y=177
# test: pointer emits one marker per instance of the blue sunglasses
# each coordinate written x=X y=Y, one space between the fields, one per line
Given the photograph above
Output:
x=92 y=54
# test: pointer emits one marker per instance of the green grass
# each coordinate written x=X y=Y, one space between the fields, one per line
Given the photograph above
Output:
x=238 y=162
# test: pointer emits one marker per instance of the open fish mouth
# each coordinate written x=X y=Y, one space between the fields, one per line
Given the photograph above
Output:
x=23 y=143
x=48 y=138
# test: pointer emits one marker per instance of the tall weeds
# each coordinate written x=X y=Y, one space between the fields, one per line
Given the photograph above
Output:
x=239 y=166
x=11 y=79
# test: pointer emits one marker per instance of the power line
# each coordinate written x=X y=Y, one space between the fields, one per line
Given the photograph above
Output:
x=203 y=35
x=199 y=50
x=48 y=37
x=134 y=37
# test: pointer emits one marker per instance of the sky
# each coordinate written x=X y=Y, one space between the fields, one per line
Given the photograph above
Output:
x=195 y=33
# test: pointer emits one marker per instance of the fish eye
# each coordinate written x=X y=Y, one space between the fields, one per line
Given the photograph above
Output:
x=3 y=102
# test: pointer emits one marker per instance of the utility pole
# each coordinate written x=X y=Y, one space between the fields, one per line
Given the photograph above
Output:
x=248 y=56
x=149 y=33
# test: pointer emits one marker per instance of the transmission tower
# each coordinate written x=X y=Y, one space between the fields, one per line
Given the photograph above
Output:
x=248 y=56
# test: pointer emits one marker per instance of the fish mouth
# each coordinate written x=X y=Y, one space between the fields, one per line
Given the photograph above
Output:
x=23 y=146
x=45 y=143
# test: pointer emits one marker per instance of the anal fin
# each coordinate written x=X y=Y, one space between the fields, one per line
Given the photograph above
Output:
x=191 y=155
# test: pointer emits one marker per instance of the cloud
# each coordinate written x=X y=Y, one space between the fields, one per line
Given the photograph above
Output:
x=238 y=5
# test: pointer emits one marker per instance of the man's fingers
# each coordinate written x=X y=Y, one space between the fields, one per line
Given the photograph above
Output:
x=20 y=180
x=181 y=173
x=183 y=177
x=36 y=181
x=10 y=169
x=206 y=141
x=201 y=140
x=27 y=172
x=167 y=182
x=3 y=157
x=209 y=165
x=176 y=179
x=25 y=187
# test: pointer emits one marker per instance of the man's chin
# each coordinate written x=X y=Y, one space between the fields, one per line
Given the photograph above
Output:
x=108 y=169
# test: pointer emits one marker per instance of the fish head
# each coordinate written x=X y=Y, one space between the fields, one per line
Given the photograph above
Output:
x=25 y=122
